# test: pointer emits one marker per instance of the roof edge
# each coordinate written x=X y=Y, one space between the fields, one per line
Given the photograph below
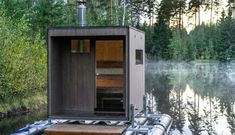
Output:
x=85 y=27
x=92 y=27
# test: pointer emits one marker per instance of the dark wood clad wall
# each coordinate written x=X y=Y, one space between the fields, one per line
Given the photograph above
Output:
x=78 y=73
x=55 y=83
x=72 y=89
x=69 y=92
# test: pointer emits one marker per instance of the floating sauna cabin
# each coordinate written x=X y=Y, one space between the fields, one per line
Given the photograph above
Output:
x=95 y=73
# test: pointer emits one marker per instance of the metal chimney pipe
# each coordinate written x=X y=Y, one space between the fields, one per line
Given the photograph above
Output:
x=81 y=11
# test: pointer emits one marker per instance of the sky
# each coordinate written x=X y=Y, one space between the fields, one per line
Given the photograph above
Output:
x=205 y=16
x=188 y=22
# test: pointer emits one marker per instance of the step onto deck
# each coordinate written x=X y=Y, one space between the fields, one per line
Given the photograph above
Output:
x=71 y=129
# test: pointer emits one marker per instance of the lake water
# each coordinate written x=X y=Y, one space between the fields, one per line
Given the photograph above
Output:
x=200 y=97
x=9 y=125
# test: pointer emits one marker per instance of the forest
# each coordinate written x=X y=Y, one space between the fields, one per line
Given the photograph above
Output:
x=24 y=24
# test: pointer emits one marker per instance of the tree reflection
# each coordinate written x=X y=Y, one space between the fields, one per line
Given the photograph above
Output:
x=178 y=112
x=195 y=120
x=212 y=94
x=205 y=85
x=231 y=118
x=226 y=93
x=161 y=86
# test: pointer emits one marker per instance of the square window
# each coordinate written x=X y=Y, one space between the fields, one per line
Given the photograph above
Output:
x=139 y=57
x=80 y=46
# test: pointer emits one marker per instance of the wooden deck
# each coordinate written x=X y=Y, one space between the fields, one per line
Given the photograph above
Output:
x=70 y=129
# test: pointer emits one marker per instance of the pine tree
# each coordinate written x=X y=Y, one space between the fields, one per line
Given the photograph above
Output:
x=162 y=31
x=179 y=7
x=135 y=10
x=149 y=9
x=226 y=41
x=194 y=7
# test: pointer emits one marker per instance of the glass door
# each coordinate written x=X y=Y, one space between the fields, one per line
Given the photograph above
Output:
x=110 y=76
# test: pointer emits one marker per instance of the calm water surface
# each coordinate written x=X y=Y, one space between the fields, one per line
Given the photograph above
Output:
x=12 y=124
x=199 y=96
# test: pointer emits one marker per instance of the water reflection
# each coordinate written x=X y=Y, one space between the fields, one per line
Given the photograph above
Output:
x=12 y=124
x=199 y=96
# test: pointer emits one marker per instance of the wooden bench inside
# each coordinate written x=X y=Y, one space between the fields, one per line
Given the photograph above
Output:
x=109 y=81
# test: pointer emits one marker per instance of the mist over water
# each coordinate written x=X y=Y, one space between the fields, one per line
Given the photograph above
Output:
x=199 y=97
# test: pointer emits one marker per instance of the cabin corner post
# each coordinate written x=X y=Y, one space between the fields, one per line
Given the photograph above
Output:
x=48 y=72
x=127 y=70
x=137 y=67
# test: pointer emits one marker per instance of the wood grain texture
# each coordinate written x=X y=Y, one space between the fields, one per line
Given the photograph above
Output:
x=55 y=81
x=109 y=50
x=67 y=129
x=78 y=71
x=109 y=83
x=72 y=77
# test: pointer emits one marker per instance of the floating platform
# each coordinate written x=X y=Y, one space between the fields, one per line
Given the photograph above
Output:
x=141 y=124
x=72 y=129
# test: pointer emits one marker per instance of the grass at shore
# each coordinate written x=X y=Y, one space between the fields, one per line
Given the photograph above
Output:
x=31 y=102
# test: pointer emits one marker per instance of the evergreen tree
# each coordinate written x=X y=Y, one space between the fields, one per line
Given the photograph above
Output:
x=194 y=7
x=213 y=6
x=179 y=7
x=179 y=46
x=198 y=40
x=149 y=9
x=226 y=41
x=148 y=29
x=135 y=10
x=162 y=31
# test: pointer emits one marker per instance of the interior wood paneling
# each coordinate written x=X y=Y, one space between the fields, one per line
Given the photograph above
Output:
x=110 y=64
x=109 y=50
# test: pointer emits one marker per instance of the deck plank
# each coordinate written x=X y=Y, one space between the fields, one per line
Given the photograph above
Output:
x=69 y=129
